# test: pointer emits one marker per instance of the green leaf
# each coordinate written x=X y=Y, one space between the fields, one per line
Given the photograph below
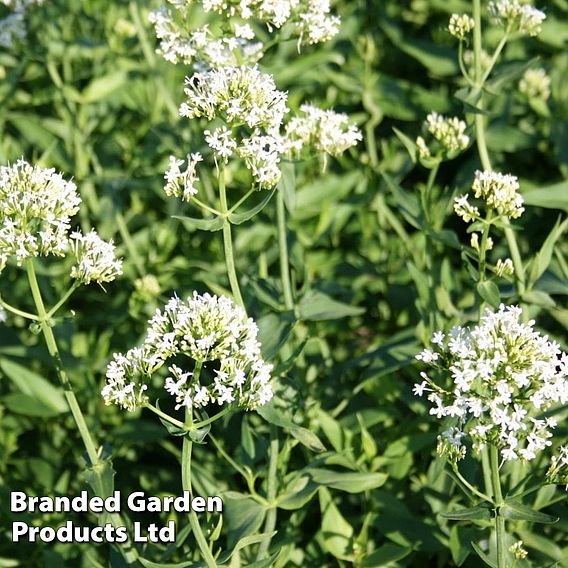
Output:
x=306 y=437
x=35 y=387
x=317 y=306
x=238 y=218
x=408 y=143
x=506 y=138
x=266 y=563
x=298 y=492
x=478 y=513
x=337 y=532
x=489 y=292
x=20 y=403
x=489 y=561
x=102 y=87
x=351 y=481
x=242 y=515
x=287 y=184
x=273 y=332
x=150 y=564
x=516 y=511
x=542 y=259
x=243 y=543
x=385 y=555
x=191 y=223
x=550 y=197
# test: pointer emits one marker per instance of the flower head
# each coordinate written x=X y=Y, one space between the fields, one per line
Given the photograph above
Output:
x=182 y=183
x=216 y=335
x=95 y=258
x=499 y=191
x=37 y=204
x=517 y=16
x=460 y=25
x=446 y=137
x=503 y=375
x=535 y=84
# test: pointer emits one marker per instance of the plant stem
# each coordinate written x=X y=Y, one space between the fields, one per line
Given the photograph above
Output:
x=66 y=296
x=283 y=246
x=54 y=353
x=468 y=485
x=186 y=484
x=18 y=312
x=270 y=522
x=498 y=501
x=228 y=239
x=129 y=243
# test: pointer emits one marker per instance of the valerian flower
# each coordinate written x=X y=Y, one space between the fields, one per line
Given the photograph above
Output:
x=13 y=27
x=35 y=220
x=460 y=25
x=498 y=191
x=516 y=16
x=444 y=138
x=535 y=84
x=208 y=332
x=182 y=183
x=503 y=375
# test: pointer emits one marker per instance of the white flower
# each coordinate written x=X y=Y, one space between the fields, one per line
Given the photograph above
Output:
x=221 y=142
x=37 y=204
x=535 y=84
x=213 y=332
x=325 y=130
x=504 y=374
x=516 y=16
x=467 y=212
x=504 y=268
x=500 y=192
x=95 y=258
x=182 y=184
x=448 y=138
x=460 y=25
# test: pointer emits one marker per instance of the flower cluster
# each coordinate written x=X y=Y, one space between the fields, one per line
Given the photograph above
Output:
x=447 y=137
x=37 y=206
x=460 y=25
x=95 y=258
x=558 y=470
x=310 y=20
x=326 y=131
x=499 y=191
x=504 y=376
x=535 y=84
x=216 y=335
x=504 y=268
x=182 y=183
x=518 y=551
x=199 y=46
x=12 y=27
x=252 y=109
x=516 y=16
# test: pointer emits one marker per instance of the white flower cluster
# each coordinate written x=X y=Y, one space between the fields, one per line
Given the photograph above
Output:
x=12 y=27
x=35 y=212
x=324 y=130
x=210 y=330
x=95 y=258
x=36 y=205
x=516 y=16
x=499 y=191
x=504 y=268
x=558 y=470
x=252 y=109
x=182 y=183
x=448 y=137
x=518 y=551
x=504 y=376
x=535 y=84
x=460 y=25
x=199 y=46
x=310 y=20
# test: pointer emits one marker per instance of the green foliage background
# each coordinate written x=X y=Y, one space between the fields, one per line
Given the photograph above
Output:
x=87 y=95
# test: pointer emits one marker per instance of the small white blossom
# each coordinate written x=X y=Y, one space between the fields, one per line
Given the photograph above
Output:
x=500 y=192
x=447 y=137
x=460 y=25
x=182 y=183
x=504 y=375
x=95 y=258
x=468 y=213
x=535 y=84
x=504 y=268
x=516 y=16
x=211 y=331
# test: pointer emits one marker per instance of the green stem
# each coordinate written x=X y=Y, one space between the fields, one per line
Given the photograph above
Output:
x=18 y=312
x=486 y=471
x=498 y=501
x=426 y=203
x=271 y=492
x=468 y=485
x=283 y=246
x=186 y=484
x=165 y=416
x=197 y=425
x=228 y=240
x=54 y=353
x=67 y=295
x=494 y=58
x=129 y=243
x=483 y=246
x=205 y=206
